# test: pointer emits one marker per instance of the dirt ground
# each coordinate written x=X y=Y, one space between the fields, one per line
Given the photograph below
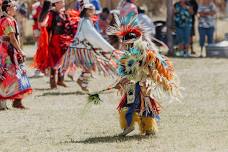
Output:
x=57 y=120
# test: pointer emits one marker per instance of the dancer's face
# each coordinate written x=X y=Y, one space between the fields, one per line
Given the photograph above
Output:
x=60 y=5
x=127 y=46
x=11 y=10
x=90 y=12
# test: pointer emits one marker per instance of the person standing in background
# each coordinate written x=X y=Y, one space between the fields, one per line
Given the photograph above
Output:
x=207 y=21
x=97 y=5
x=226 y=1
x=37 y=8
x=183 y=23
x=77 y=5
x=194 y=5
x=21 y=16
x=104 y=21
x=98 y=10
x=146 y=20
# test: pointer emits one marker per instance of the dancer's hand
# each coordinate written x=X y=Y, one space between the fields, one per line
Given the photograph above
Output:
x=2 y=73
x=21 y=57
x=2 y=78
x=121 y=83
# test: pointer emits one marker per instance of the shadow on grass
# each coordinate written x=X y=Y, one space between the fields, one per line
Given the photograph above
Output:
x=70 y=81
x=61 y=93
x=107 y=139
x=42 y=89
x=33 y=77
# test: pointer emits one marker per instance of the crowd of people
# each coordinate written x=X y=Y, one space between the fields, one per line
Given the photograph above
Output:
x=185 y=13
x=99 y=40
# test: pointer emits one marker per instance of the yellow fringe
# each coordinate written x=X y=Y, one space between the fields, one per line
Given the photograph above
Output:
x=123 y=122
x=146 y=124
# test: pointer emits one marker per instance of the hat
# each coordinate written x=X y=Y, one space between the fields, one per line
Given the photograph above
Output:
x=55 y=1
x=85 y=4
x=7 y=3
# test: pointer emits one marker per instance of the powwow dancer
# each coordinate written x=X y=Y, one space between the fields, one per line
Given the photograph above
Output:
x=54 y=41
x=37 y=8
x=145 y=77
x=85 y=51
x=14 y=84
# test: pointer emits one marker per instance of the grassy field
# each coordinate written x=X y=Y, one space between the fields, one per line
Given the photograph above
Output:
x=57 y=121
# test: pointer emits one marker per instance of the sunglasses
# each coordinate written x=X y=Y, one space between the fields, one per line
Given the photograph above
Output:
x=12 y=6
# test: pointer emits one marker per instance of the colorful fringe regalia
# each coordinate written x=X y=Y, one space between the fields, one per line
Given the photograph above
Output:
x=127 y=10
x=89 y=50
x=14 y=83
x=147 y=75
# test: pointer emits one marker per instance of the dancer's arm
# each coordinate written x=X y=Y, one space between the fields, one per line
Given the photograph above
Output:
x=94 y=37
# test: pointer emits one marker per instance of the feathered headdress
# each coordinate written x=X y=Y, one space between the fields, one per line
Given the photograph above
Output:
x=127 y=30
x=85 y=4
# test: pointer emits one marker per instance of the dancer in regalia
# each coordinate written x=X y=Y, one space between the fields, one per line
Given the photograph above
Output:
x=14 y=84
x=90 y=50
x=145 y=76
x=54 y=40
x=37 y=8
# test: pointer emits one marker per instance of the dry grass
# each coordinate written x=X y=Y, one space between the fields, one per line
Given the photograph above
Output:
x=56 y=122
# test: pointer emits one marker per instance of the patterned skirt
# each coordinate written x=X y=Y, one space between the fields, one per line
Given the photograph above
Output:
x=88 y=59
x=14 y=83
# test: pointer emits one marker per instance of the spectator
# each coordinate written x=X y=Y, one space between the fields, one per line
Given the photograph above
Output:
x=226 y=1
x=37 y=8
x=183 y=22
x=97 y=5
x=207 y=12
x=146 y=20
x=22 y=8
x=77 y=5
x=104 y=21
x=194 y=5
